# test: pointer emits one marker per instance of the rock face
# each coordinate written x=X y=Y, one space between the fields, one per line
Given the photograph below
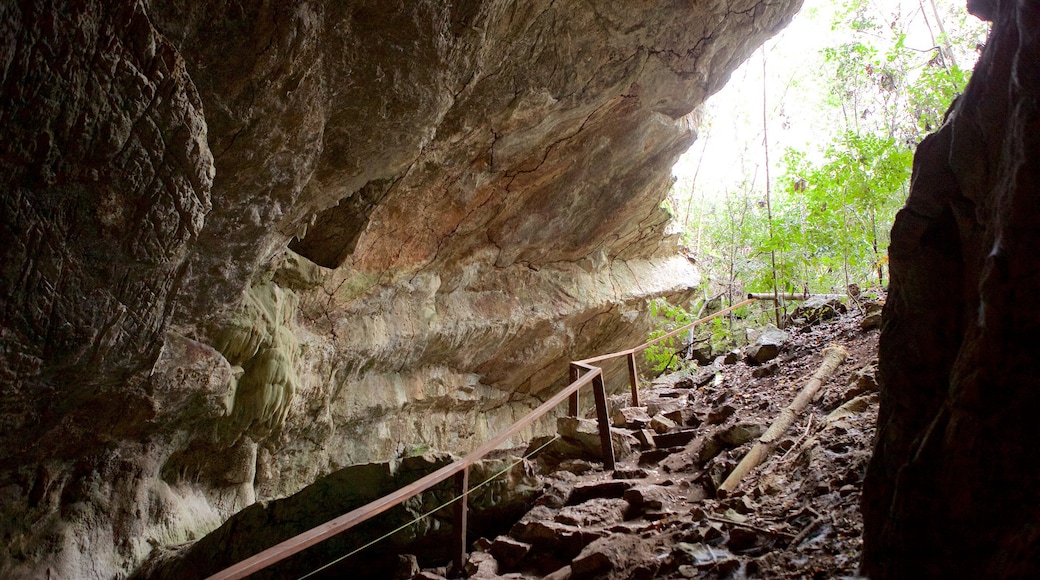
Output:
x=246 y=245
x=953 y=490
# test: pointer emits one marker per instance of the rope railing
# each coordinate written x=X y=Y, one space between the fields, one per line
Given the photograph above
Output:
x=582 y=373
x=430 y=512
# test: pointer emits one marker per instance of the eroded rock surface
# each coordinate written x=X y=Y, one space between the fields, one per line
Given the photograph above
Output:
x=952 y=490
x=246 y=245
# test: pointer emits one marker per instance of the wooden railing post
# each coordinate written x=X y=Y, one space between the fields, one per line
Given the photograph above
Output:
x=633 y=378
x=572 y=403
x=461 y=516
x=600 y=393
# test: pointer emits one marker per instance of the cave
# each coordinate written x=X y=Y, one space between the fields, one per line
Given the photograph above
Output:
x=249 y=245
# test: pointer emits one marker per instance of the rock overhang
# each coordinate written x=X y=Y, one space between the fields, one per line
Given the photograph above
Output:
x=500 y=164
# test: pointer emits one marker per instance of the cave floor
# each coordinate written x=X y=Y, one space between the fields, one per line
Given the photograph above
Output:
x=656 y=516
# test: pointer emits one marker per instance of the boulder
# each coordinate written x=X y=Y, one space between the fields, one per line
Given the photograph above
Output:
x=816 y=309
x=508 y=551
x=614 y=556
x=740 y=434
x=631 y=417
x=871 y=315
x=649 y=497
x=662 y=424
x=765 y=370
x=585 y=434
x=767 y=346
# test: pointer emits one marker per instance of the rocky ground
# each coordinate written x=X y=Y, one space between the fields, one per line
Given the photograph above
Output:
x=657 y=515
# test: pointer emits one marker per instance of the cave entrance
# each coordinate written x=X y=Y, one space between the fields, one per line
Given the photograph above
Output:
x=803 y=159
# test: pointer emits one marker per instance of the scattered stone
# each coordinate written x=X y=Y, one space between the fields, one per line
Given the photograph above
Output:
x=556 y=491
x=871 y=316
x=631 y=473
x=675 y=438
x=851 y=407
x=710 y=448
x=610 y=489
x=816 y=309
x=740 y=434
x=740 y=505
x=648 y=497
x=645 y=438
x=731 y=357
x=662 y=424
x=677 y=415
x=508 y=551
x=407 y=566
x=701 y=354
x=575 y=466
x=767 y=346
x=690 y=417
x=686 y=382
x=863 y=380
x=664 y=406
x=481 y=566
x=631 y=417
x=621 y=553
x=765 y=371
x=720 y=414
x=592 y=563
x=683 y=460
x=594 y=512
x=703 y=377
x=654 y=456
x=561 y=574
x=642 y=507
x=741 y=539
x=700 y=555
x=561 y=539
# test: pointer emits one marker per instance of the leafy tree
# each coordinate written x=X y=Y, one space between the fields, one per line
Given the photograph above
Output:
x=826 y=219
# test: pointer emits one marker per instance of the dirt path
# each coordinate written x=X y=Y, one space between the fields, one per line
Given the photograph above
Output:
x=656 y=516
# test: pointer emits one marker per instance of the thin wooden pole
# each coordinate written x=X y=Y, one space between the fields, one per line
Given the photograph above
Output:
x=792 y=296
x=461 y=509
x=769 y=204
x=633 y=378
x=833 y=356
x=572 y=403
x=600 y=393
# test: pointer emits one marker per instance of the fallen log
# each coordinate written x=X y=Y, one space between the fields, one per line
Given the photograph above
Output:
x=792 y=296
x=833 y=356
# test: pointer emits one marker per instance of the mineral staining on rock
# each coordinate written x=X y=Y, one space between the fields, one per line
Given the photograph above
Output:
x=259 y=340
x=247 y=246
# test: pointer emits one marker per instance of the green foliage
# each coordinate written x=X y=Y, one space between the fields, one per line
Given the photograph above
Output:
x=934 y=91
x=662 y=356
x=834 y=202
x=833 y=221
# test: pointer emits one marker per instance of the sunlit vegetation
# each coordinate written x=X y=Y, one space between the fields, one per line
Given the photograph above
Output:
x=815 y=217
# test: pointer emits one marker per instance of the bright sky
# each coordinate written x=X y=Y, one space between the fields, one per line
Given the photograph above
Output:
x=731 y=146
